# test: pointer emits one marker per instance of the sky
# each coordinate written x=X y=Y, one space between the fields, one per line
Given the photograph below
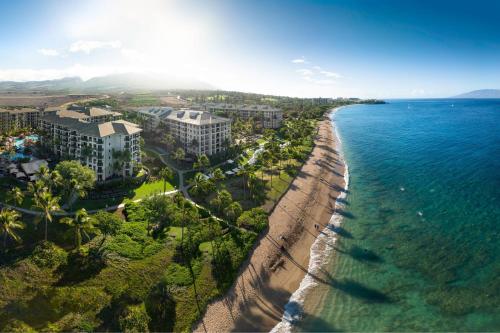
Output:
x=346 y=48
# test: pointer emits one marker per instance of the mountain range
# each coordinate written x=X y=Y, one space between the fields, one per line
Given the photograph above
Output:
x=483 y=93
x=110 y=83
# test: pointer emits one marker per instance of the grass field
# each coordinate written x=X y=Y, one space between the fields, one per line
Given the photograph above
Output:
x=141 y=192
x=143 y=100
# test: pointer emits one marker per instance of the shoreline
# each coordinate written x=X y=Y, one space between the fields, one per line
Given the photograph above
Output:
x=261 y=295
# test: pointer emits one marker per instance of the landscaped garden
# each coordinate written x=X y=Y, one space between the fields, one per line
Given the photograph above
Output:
x=156 y=269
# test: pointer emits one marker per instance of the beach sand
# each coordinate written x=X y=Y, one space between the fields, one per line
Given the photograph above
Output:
x=269 y=277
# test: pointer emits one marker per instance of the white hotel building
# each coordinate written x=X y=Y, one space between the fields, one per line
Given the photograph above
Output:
x=269 y=116
x=199 y=132
x=110 y=148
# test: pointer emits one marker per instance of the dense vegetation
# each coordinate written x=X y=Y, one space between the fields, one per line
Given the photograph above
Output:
x=154 y=265
x=137 y=273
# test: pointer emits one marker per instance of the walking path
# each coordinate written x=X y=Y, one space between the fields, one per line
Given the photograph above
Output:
x=110 y=208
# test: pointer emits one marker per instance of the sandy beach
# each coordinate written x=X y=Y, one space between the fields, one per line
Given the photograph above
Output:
x=279 y=261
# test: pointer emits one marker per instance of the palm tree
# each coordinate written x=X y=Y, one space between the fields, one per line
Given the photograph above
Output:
x=82 y=225
x=15 y=196
x=267 y=161
x=233 y=211
x=218 y=175
x=43 y=173
x=202 y=162
x=168 y=140
x=55 y=180
x=9 y=222
x=165 y=174
x=44 y=200
x=244 y=171
x=179 y=154
x=200 y=184
x=252 y=183
x=222 y=200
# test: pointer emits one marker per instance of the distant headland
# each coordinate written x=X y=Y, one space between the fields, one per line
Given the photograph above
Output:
x=483 y=93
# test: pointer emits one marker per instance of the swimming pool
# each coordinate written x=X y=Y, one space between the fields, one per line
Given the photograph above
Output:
x=19 y=143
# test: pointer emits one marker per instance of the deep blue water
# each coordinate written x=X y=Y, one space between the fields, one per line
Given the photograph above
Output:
x=421 y=246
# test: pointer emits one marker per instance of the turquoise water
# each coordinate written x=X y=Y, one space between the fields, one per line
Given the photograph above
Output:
x=19 y=144
x=420 y=247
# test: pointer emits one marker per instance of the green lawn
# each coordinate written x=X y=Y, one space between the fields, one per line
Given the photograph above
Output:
x=147 y=189
x=261 y=141
x=206 y=247
x=141 y=192
x=143 y=100
x=175 y=232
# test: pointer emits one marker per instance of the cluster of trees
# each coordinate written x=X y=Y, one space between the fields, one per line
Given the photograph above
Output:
x=69 y=180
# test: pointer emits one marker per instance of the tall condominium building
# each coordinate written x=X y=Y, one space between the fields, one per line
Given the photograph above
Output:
x=269 y=117
x=152 y=116
x=110 y=148
x=11 y=119
x=198 y=131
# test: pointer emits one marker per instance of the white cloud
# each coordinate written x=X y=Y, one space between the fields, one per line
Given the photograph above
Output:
x=88 y=46
x=300 y=60
x=318 y=76
x=331 y=74
x=49 y=52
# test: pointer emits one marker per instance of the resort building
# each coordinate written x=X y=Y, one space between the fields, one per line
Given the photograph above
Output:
x=91 y=115
x=12 y=119
x=198 y=131
x=152 y=116
x=30 y=169
x=268 y=116
x=110 y=148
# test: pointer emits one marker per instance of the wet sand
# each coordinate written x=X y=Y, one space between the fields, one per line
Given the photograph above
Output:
x=280 y=259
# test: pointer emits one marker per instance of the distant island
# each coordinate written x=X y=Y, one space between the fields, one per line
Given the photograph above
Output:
x=483 y=93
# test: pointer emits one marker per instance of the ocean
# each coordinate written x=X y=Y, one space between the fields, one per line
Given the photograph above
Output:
x=418 y=247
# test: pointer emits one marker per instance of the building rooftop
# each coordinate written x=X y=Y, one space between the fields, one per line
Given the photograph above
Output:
x=243 y=107
x=14 y=111
x=32 y=167
x=155 y=111
x=71 y=114
x=195 y=117
x=94 y=129
x=97 y=112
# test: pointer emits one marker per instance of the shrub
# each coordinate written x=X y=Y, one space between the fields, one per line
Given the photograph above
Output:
x=108 y=223
x=177 y=275
x=152 y=248
x=254 y=219
x=17 y=326
x=135 y=230
x=135 y=319
x=125 y=246
x=135 y=212
x=49 y=255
